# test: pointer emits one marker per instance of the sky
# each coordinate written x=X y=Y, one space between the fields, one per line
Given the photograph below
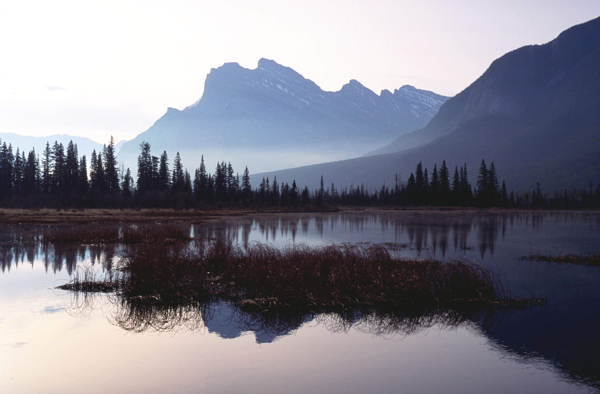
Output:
x=102 y=68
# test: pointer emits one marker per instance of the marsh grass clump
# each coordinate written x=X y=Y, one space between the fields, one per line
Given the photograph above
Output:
x=86 y=280
x=125 y=234
x=588 y=259
x=264 y=277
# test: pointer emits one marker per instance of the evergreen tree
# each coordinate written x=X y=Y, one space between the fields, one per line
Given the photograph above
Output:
x=455 y=187
x=444 y=184
x=434 y=188
x=411 y=190
x=426 y=187
x=58 y=172
x=504 y=197
x=232 y=183
x=493 y=186
x=466 y=194
x=203 y=181
x=18 y=168
x=246 y=187
x=305 y=196
x=111 y=174
x=178 y=178
x=71 y=168
x=163 y=172
x=419 y=186
x=144 y=181
x=46 y=169
x=275 y=195
x=188 y=183
x=210 y=189
x=83 y=176
x=220 y=180
x=100 y=179
x=155 y=184
x=483 y=197
x=6 y=171
x=294 y=194
x=30 y=170
x=127 y=184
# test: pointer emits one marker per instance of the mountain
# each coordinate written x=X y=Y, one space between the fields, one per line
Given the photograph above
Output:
x=272 y=117
x=85 y=146
x=534 y=112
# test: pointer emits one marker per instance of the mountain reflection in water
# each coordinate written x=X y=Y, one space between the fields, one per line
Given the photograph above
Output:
x=564 y=333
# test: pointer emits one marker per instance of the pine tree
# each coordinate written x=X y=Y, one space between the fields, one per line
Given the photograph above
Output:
x=220 y=180
x=232 y=185
x=483 y=182
x=419 y=186
x=466 y=194
x=434 y=188
x=504 y=198
x=46 y=169
x=127 y=184
x=305 y=196
x=203 y=180
x=455 y=187
x=100 y=180
x=83 y=176
x=444 y=184
x=178 y=179
x=71 y=168
x=188 y=184
x=275 y=195
x=18 y=168
x=111 y=174
x=58 y=171
x=294 y=194
x=144 y=181
x=321 y=193
x=163 y=172
x=246 y=187
x=6 y=171
x=411 y=190
x=426 y=187
x=30 y=170
x=493 y=186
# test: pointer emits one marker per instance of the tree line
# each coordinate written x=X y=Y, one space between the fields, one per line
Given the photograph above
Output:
x=60 y=178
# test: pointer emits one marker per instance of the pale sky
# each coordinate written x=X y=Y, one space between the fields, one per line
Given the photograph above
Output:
x=101 y=68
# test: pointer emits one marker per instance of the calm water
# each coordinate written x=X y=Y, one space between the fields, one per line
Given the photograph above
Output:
x=54 y=342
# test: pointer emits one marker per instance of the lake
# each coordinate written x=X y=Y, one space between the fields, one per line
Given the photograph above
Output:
x=55 y=341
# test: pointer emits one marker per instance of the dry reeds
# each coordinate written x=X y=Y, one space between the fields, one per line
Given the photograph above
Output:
x=263 y=277
x=588 y=259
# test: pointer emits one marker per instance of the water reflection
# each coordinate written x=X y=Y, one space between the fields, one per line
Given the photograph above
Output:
x=564 y=333
x=230 y=321
x=431 y=232
x=55 y=257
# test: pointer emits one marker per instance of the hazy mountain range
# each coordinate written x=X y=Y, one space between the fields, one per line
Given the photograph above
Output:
x=535 y=112
x=85 y=146
x=272 y=117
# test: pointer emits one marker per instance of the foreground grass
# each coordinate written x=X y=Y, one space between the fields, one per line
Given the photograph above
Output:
x=588 y=259
x=263 y=277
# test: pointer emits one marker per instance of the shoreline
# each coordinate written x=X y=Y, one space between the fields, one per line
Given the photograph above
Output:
x=54 y=216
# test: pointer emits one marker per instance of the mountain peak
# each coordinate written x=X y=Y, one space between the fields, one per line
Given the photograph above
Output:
x=268 y=64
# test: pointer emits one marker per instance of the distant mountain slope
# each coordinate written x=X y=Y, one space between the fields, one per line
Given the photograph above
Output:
x=272 y=117
x=85 y=146
x=535 y=112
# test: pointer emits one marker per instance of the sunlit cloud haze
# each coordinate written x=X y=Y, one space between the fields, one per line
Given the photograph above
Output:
x=96 y=68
